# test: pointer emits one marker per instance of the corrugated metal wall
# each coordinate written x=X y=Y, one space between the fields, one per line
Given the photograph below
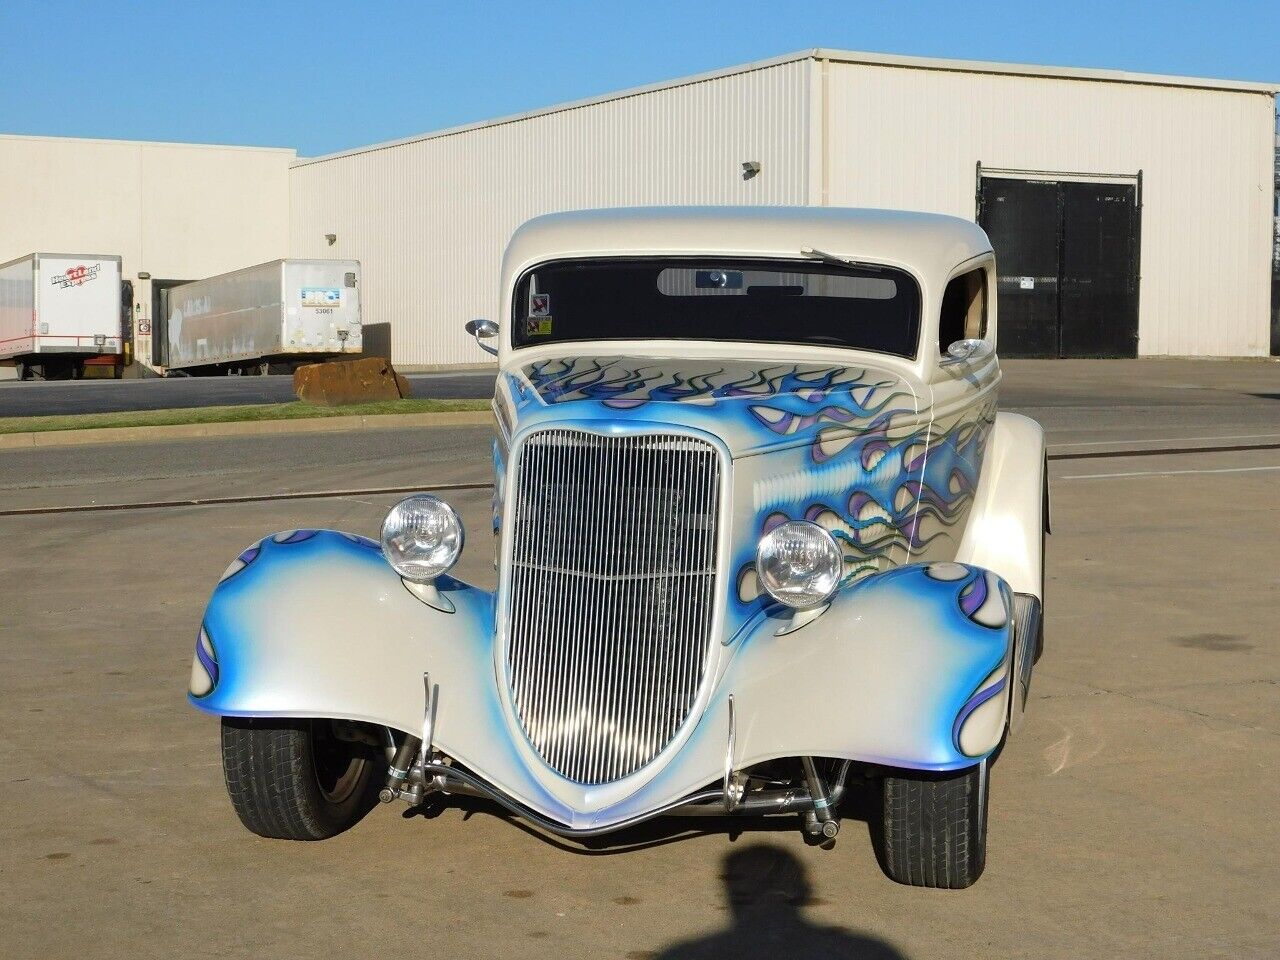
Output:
x=911 y=138
x=429 y=219
x=177 y=211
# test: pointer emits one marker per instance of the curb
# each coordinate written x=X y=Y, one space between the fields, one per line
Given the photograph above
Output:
x=243 y=428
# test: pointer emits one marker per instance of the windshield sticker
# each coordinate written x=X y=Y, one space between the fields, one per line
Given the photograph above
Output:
x=537 y=326
x=540 y=305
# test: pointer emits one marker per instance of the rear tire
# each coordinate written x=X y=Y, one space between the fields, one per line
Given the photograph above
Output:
x=294 y=780
x=935 y=828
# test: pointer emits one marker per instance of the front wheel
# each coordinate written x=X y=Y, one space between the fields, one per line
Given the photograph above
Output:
x=935 y=827
x=296 y=779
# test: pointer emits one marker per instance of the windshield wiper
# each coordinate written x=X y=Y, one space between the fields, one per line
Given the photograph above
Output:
x=839 y=261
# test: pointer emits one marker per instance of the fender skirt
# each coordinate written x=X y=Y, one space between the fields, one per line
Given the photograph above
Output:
x=908 y=668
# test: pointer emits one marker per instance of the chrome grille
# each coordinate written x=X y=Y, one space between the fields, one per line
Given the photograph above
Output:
x=612 y=587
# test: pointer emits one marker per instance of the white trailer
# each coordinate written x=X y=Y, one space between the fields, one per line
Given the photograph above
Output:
x=59 y=312
x=282 y=311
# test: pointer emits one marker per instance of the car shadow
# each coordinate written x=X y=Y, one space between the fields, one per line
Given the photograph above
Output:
x=766 y=888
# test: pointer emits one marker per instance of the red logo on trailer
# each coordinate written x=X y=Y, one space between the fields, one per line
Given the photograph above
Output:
x=75 y=276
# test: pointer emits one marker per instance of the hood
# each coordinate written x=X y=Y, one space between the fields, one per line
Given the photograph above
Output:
x=751 y=405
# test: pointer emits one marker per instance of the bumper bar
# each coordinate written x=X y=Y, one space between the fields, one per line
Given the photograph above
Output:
x=708 y=803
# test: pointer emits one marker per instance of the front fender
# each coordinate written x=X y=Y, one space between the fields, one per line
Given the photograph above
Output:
x=315 y=623
x=1009 y=517
x=908 y=668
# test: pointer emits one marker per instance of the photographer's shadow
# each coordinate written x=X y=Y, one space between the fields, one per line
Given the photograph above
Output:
x=766 y=887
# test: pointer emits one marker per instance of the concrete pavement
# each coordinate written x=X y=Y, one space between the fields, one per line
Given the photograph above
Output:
x=1131 y=816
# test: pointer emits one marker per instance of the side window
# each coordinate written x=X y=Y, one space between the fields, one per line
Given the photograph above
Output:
x=964 y=309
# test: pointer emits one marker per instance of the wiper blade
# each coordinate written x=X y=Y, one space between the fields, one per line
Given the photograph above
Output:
x=833 y=258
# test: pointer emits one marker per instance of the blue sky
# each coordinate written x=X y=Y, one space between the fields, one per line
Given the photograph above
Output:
x=323 y=76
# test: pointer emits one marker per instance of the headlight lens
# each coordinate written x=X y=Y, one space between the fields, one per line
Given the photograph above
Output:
x=421 y=538
x=799 y=564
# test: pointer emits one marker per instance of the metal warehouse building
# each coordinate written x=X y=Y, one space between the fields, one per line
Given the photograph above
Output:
x=172 y=212
x=1131 y=214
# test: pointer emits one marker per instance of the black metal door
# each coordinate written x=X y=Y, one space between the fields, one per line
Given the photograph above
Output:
x=1098 y=308
x=1067 y=261
x=1023 y=219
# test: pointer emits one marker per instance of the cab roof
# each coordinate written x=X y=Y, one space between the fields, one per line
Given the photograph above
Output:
x=928 y=244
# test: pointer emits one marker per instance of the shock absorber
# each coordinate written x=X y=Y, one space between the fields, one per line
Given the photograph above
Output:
x=398 y=772
x=414 y=752
x=821 y=820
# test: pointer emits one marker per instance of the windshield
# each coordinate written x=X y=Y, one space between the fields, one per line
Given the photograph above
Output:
x=758 y=301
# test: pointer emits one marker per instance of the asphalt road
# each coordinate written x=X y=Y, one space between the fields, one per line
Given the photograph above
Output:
x=1140 y=392
x=39 y=398
x=1132 y=815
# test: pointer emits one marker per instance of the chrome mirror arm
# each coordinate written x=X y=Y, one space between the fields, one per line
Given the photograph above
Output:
x=483 y=330
x=966 y=351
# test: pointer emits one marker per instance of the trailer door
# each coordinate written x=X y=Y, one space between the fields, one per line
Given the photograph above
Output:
x=322 y=307
x=79 y=305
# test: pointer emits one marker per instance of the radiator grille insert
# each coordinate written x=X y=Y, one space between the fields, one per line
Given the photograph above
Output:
x=612 y=586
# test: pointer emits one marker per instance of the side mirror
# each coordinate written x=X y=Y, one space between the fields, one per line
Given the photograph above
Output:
x=967 y=351
x=483 y=330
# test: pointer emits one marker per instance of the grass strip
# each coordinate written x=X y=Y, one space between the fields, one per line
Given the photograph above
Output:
x=295 y=410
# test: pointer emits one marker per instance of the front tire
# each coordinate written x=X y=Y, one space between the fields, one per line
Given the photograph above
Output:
x=935 y=828
x=295 y=779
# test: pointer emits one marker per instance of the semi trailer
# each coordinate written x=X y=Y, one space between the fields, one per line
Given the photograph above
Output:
x=61 y=312
x=282 y=312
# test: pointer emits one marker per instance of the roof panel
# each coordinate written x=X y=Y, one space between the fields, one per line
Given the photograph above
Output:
x=930 y=244
x=842 y=56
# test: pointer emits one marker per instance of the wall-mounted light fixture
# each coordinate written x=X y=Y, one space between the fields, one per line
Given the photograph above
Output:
x=143 y=275
x=750 y=168
x=332 y=238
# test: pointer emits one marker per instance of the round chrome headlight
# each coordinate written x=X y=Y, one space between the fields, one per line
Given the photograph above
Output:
x=421 y=537
x=799 y=564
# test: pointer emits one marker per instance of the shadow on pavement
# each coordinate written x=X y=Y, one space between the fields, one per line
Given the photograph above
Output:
x=766 y=887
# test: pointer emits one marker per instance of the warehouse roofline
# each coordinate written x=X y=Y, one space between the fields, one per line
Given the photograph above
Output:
x=146 y=143
x=837 y=56
x=1035 y=70
x=562 y=107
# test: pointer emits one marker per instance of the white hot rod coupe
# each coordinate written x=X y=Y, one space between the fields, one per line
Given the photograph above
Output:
x=762 y=539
